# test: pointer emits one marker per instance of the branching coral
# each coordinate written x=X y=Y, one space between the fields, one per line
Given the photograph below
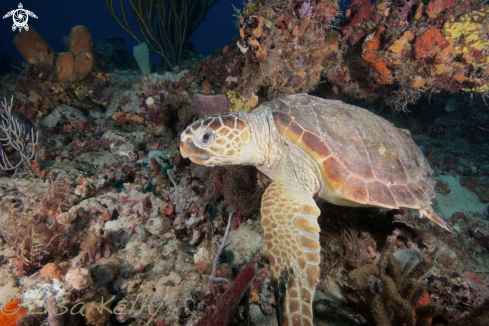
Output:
x=29 y=226
x=339 y=243
x=15 y=136
x=28 y=236
x=175 y=21
x=389 y=293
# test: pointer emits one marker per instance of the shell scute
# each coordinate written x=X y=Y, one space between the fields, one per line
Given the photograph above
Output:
x=380 y=195
x=362 y=157
x=355 y=190
x=215 y=124
x=343 y=140
x=381 y=150
x=294 y=129
x=336 y=174
x=282 y=120
x=427 y=185
x=418 y=192
x=403 y=196
x=313 y=144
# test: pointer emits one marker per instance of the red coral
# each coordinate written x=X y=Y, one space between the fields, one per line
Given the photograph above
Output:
x=230 y=299
x=156 y=165
x=288 y=19
x=363 y=11
x=341 y=77
x=281 y=25
x=477 y=53
x=377 y=62
x=427 y=45
x=424 y=299
x=474 y=278
x=437 y=6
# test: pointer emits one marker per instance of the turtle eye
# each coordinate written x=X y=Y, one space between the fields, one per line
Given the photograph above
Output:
x=206 y=137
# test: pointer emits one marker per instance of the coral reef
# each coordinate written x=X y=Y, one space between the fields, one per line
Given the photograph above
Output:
x=389 y=50
x=70 y=78
x=408 y=48
x=170 y=95
x=283 y=44
x=113 y=225
x=390 y=291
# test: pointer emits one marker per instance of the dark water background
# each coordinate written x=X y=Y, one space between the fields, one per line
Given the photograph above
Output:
x=57 y=17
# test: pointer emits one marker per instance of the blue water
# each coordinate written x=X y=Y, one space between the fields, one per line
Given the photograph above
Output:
x=57 y=17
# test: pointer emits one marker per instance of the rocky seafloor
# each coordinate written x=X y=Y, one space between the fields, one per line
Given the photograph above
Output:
x=117 y=229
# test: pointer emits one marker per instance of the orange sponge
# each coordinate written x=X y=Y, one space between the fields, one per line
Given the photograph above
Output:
x=33 y=47
x=79 y=61
x=65 y=65
x=80 y=40
x=55 y=270
x=84 y=63
x=12 y=314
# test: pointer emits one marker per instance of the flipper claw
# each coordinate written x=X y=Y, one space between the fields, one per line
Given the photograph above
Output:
x=431 y=214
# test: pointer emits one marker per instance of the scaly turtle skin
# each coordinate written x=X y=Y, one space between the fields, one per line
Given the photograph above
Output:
x=313 y=147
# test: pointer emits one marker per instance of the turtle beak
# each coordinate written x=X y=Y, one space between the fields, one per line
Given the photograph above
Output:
x=199 y=160
x=194 y=153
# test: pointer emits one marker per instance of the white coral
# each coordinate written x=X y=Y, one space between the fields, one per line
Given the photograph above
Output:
x=79 y=278
x=16 y=136
x=35 y=298
x=68 y=217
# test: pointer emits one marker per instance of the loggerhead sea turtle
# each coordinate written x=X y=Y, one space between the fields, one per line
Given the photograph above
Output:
x=312 y=147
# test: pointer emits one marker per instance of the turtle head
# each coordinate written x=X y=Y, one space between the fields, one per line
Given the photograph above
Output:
x=216 y=140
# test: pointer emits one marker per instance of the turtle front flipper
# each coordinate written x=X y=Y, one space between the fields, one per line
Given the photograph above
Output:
x=289 y=220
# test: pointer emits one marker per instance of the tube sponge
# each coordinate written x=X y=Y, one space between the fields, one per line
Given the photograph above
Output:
x=141 y=54
x=207 y=105
x=34 y=48
x=230 y=299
